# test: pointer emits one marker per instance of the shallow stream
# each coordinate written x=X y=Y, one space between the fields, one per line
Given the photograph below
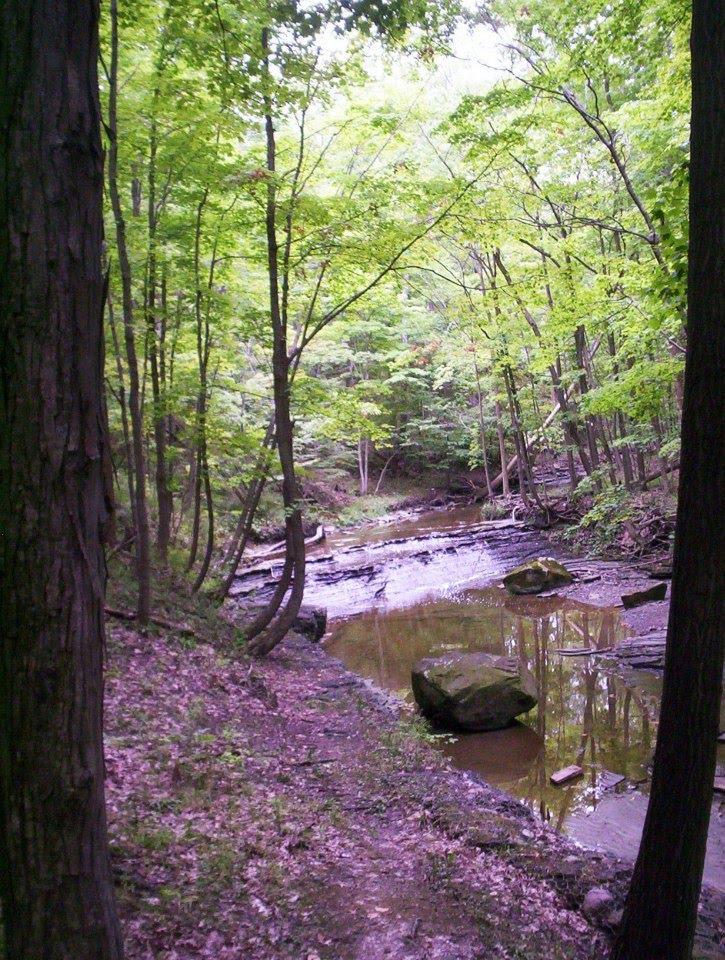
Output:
x=428 y=585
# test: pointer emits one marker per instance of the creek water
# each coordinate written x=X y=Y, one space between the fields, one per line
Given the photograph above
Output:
x=427 y=585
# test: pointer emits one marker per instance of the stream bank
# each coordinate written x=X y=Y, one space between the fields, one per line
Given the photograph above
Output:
x=423 y=585
x=281 y=809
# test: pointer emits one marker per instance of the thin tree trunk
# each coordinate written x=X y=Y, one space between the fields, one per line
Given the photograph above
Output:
x=482 y=429
x=262 y=643
x=143 y=553
x=579 y=340
x=363 y=456
x=383 y=471
x=201 y=399
x=56 y=883
x=127 y=444
x=164 y=500
x=249 y=504
x=503 y=478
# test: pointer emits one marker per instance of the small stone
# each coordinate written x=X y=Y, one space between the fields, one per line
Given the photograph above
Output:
x=598 y=904
x=614 y=919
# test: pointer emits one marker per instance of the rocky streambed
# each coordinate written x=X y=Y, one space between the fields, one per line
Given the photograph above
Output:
x=421 y=586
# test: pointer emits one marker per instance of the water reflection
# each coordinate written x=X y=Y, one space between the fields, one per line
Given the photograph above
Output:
x=588 y=713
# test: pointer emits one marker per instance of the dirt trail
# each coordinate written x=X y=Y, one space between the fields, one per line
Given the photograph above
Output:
x=283 y=812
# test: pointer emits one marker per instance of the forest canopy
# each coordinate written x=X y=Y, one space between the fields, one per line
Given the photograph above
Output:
x=472 y=230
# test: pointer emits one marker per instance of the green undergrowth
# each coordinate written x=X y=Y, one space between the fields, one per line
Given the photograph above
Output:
x=620 y=523
x=176 y=613
x=364 y=509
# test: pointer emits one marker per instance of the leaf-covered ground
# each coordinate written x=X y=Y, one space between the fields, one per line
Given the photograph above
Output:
x=280 y=809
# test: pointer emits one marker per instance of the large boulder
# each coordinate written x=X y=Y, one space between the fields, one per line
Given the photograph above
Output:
x=473 y=691
x=538 y=575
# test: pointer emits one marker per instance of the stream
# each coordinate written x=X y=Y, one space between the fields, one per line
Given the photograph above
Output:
x=428 y=584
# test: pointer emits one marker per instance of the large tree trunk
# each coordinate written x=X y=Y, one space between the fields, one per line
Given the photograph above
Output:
x=55 y=879
x=661 y=911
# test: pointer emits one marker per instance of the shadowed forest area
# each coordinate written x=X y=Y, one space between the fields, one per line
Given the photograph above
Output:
x=316 y=320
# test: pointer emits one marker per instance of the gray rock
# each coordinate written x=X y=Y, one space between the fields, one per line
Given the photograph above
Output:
x=613 y=920
x=473 y=691
x=311 y=622
x=651 y=595
x=598 y=904
x=538 y=575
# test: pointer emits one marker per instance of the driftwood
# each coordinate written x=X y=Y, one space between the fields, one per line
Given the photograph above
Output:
x=318 y=537
x=566 y=774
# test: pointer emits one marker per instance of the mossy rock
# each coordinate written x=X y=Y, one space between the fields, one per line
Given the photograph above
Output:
x=536 y=576
x=473 y=691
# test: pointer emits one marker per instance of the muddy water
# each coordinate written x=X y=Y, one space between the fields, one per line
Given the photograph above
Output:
x=590 y=712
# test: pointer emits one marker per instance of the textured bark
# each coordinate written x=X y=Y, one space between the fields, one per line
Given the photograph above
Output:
x=661 y=911
x=55 y=874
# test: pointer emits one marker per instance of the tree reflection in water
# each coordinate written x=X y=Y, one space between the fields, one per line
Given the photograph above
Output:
x=591 y=712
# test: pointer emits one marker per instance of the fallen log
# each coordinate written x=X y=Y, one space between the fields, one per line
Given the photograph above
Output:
x=318 y=537
x=157 y=621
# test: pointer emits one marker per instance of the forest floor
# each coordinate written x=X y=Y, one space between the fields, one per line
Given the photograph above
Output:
x=284 y=808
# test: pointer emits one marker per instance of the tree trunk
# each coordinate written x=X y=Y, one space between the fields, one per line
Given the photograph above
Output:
x=164 y=499
x=55 y=881
x=363 y=463
x=143 y=553
x=127 y=443
x=482 y=428
x=201 y=400
x=661 y=911
x=262 y=643
x=502 y=454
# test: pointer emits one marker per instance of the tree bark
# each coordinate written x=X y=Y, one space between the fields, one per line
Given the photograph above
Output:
x=55 y=879
x=661 y=911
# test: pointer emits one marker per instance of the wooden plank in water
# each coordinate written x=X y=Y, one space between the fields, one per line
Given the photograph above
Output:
x=566 y=774
x=607 y=779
